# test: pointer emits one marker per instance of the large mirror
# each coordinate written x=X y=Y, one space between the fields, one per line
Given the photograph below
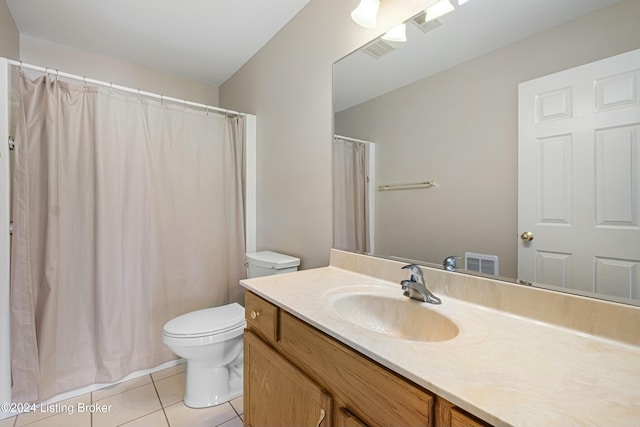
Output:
x=428 y=128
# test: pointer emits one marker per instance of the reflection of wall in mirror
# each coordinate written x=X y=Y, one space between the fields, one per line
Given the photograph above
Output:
x=460 y=129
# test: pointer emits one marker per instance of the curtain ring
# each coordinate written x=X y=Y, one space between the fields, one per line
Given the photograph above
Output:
x=185 y=105
x=111 y=88
x=57 y=74
x=162 y=100
x=206 y=110
x=139 y=96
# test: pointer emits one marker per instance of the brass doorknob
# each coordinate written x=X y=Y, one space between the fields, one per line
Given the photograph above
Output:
x=527 y=236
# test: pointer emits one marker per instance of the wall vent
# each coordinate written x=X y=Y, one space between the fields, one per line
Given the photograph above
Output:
x=482 y=263
x=379 y=48
x=425 y=27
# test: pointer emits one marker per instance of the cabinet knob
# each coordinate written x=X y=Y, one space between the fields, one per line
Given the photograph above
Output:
x=254 y=314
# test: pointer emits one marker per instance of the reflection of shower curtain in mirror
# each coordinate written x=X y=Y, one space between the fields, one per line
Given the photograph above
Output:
x=127 y=213
x=349 y=196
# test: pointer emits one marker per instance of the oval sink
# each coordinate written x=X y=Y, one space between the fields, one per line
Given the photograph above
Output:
x=400 y=318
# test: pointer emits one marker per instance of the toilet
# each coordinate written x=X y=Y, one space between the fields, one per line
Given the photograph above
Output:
x=210 y=340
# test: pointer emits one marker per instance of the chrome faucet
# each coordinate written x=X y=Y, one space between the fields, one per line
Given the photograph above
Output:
x=415 y=287
x=449 y=263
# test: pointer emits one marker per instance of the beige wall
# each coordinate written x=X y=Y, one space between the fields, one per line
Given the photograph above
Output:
x=288 y=85
x=9 y=36
x=71 y=60
x=464 y=135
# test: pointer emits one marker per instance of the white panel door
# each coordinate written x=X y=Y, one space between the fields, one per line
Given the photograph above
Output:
x=579 y=183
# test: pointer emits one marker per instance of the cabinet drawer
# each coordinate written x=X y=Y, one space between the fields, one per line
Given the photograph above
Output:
x=262 y=316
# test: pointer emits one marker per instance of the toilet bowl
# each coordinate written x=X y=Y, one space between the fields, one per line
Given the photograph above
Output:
x=210 y=340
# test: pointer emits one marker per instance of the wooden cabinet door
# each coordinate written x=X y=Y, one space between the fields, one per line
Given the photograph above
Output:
x=346 y=419
x=276 y=393
x=460 y=419
x=448 y=415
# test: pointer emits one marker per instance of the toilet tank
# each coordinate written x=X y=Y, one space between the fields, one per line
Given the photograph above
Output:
x=267 y=263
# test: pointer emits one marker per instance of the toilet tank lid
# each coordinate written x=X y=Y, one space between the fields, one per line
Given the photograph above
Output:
x=207 y=321
x=273 y=260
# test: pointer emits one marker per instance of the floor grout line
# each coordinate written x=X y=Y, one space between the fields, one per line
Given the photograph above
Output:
x=160 y=400
x=137 y=418
x=123 y=391
x=234 y=408
x=219 y=424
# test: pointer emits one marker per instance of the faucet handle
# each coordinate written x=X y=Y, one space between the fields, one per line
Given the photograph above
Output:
x=450 y=262
x=416 y=272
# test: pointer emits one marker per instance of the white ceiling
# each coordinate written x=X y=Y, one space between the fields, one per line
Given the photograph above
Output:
x=204 y=40
x=474 y=28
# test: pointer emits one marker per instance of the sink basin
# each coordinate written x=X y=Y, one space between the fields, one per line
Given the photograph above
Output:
x=398 y=317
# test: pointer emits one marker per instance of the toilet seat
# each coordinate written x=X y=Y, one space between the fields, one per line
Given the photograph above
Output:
x=225 y=320
x=191 y=341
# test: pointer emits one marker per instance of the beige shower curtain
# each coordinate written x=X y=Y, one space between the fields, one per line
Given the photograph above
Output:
x=349 y=196
x=127 y=212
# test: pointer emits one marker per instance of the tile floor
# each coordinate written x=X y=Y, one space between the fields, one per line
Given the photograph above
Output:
x=149 y=401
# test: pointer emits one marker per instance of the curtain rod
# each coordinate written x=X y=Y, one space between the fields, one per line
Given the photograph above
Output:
x=346 y=138
x=110 y=85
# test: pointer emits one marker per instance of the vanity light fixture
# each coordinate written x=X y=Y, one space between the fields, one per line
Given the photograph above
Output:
x=366 y=12
x=396 y=34
x=436 y=10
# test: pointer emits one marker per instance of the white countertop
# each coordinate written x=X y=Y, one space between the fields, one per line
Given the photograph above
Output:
x=505 y=369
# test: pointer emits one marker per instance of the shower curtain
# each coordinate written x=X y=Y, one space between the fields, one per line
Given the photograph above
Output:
x=127 y=212
x=349 y=196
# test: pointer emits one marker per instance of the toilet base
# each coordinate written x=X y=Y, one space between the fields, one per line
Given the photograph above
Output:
x=209 y=386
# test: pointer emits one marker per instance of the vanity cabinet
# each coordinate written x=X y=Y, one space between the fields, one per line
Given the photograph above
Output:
x=297 y=375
